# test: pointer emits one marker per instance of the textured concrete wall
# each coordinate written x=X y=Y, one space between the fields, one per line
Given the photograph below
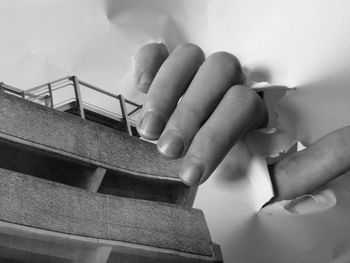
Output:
x=44 y=128
x=30 y=201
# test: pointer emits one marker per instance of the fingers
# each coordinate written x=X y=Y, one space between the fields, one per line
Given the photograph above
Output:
x=241 y=109
x=211 y=116
x=304 y=171
x=147 y=62
x=216 y=75
x=167 y=87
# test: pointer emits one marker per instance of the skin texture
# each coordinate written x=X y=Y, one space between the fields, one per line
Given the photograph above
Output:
x=304 y=171
x=197 y=108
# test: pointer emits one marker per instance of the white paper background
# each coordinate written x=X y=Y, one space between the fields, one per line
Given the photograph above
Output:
x=304 y=44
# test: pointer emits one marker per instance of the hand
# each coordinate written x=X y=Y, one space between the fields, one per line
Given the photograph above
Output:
x=214 y=112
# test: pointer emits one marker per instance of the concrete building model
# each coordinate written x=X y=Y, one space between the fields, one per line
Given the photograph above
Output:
x=78 y=185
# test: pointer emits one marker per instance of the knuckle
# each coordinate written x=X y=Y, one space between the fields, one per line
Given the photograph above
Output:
x=212 y=137
x=185 y=117
x=192 y=110
x=246 y=102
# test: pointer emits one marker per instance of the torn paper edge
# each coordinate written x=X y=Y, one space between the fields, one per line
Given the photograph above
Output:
x=264 y=86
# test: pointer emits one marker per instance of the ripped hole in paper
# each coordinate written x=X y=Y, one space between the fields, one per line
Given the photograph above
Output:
x=300 y=146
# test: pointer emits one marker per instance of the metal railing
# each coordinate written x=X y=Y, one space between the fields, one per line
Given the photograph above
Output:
x=11 y=90
x=48 y=94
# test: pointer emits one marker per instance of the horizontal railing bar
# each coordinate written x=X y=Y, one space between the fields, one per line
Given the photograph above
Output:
x=11 y=88
x=38 y=93
x=46 y=84
x=37 y=90
x=46 y=91
x=34 y=95
x=99 y=90
x=102 y=109
x=12 y=92
x=61 y=87
x=134 y=111
x=60 y=82
x=106 y=92
x=132 y=103
x=37 y=96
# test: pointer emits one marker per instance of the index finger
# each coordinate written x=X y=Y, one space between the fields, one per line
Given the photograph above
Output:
x=168 y=86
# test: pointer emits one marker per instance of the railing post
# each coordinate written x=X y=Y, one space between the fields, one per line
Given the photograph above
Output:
x=125 y=114
x=78 y=97
x=50 y=94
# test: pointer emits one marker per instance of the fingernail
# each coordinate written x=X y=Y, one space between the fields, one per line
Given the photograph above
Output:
x=151 y=126
x=192 y=173
x=171 y=144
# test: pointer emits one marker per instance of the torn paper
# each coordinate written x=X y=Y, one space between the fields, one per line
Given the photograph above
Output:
x=274 y=141
x=292 y=43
